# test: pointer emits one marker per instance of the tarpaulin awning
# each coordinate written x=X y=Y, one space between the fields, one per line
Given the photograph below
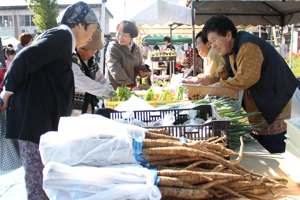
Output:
x=250 y=12
x=9 y=40
x=162 y=13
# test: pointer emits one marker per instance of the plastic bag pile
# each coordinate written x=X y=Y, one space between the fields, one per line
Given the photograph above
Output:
x=93 y=157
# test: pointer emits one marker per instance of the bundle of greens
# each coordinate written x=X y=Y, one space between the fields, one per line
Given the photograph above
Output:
x=179 y=93
x=150 y=94
x=227 y=107
x=163 y=95
x=123 y=94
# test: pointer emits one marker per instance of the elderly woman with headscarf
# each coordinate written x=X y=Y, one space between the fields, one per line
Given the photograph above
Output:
x=39 y=88
x=122 y=56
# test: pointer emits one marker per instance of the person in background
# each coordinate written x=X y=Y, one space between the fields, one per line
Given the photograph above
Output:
x=144 y=77
x=178 y=68
x=39 y=84
x=156 y=47
x=168 y=44
x=199 y=62
x=122 y=56
x=10 y=54
x=107 y=40
x=251 y=64
x=89 y=81
x=210 y=57
x=25 y=40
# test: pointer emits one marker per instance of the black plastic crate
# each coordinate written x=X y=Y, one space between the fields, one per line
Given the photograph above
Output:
x=219 y=126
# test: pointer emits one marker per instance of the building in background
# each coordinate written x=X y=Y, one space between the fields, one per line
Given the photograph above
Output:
x=15 y=20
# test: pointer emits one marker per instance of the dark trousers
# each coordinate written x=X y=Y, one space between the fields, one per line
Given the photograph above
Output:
x=273 y=143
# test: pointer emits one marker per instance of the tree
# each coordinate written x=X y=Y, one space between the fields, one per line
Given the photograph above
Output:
x=45 y=11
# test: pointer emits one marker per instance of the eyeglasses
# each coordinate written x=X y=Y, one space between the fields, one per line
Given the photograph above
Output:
x=123 y=35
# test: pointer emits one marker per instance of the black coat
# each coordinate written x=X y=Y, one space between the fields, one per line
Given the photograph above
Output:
x=42 y=80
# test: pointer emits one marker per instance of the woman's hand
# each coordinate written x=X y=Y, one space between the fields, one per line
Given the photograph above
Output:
x=135 y=89
x=192 y=80
x=5 y=97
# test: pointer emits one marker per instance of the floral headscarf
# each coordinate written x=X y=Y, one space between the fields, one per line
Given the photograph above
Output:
x=79 y=12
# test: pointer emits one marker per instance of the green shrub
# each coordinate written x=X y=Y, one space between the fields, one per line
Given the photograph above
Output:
x=295 y=65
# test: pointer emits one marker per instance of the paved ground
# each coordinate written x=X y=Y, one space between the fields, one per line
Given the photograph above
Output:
x=12 y=186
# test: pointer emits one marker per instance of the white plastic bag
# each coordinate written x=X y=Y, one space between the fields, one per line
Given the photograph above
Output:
x=168 y=120
x=192 y=120
x=62 y=182
x=56 y=147
x=128 y=118
x=134 y=103
x=96 y=126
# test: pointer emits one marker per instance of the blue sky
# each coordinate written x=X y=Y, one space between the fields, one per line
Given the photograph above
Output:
x=116 y=7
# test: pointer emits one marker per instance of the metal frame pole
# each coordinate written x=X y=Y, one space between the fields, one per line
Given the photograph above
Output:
x=292 y=41
x=102 y=35
x=194 y=46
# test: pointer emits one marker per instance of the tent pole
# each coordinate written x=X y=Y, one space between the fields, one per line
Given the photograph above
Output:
x=292 y=41
x=171 y=63
x=194 y=46
x=102 y=35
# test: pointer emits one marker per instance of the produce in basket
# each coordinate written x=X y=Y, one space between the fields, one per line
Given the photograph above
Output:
x=150 y=94
x=163 y=95
x=123 y=94
x=179 y=93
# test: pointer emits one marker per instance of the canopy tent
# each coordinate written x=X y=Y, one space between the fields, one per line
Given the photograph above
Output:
x=250 y=12
x=162 y=13
x=9 y=40
x=159 y=40
x=183 y=30
x=247 y=12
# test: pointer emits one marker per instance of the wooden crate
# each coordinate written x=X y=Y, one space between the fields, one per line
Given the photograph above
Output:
x=199 y=92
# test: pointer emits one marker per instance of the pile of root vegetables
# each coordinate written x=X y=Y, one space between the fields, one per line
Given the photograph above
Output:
x=203 y=169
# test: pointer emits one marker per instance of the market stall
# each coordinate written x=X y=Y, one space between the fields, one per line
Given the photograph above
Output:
x=162 y=13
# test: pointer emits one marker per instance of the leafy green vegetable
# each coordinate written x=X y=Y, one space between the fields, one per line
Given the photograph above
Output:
x=163 y=95
x=123 y=94
x=150 y=94
x=179 y=93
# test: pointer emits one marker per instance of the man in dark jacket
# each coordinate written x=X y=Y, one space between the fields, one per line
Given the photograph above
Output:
x=39 y=88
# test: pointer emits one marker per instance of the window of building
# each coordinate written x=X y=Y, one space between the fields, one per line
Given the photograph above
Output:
x=26 y=20
x=6 y=21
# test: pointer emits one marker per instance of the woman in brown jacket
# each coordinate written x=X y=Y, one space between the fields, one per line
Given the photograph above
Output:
x=122 y=56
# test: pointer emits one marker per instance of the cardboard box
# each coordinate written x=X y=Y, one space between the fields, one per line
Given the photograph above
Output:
x=199 y=92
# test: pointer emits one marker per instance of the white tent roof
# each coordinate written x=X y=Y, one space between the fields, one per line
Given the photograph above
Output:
x=162 y=13
x=250 y=12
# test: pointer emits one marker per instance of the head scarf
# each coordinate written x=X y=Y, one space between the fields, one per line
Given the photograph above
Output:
x=79 y=12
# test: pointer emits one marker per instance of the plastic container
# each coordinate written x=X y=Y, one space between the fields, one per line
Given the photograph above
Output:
x=218 y=126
